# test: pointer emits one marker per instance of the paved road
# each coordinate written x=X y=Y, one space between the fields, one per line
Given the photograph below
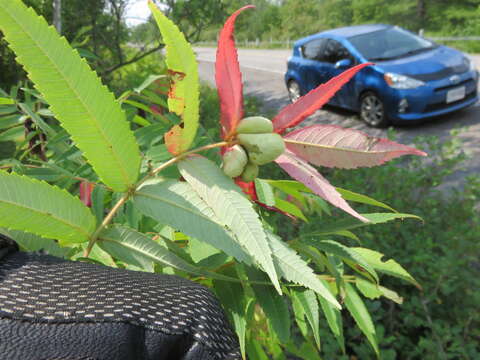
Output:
x=263 y=77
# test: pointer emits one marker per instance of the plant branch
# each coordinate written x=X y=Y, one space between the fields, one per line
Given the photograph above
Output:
x=180 y=157
x=150 y=175
x=139 y=56
x=202 y=148
x=105 y=222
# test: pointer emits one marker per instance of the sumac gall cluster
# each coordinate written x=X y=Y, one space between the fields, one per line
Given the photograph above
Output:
x=258 y=145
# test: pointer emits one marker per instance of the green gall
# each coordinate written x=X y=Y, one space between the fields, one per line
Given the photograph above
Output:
x=255 y=125
x=262 y=148
x=250 y=172
x=234 y=161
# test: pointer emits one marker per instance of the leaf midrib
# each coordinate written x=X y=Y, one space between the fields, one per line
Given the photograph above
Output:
x=46 y=213
x=329 y=147
x=227 y=195
x=66 y=79
x=157 y=258
x=266 y=252
x=174 y=204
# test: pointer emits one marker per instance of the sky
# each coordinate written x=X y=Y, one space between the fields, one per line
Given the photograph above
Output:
x=137 y=12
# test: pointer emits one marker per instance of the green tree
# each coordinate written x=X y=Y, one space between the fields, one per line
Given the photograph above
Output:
x=194 y=16
x=336 y=13
x=97 y=27
x=300 y=18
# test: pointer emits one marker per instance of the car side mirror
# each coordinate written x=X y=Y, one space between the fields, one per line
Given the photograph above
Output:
x=342 y=64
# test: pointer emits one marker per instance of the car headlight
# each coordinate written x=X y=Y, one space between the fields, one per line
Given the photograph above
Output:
x=471 y=64
x=398 y=81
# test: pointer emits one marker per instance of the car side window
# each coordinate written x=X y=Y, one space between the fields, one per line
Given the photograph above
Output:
x=313 y=49
x=334 y=51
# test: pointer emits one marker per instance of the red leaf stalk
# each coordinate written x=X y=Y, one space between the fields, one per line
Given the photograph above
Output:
x=86 y=189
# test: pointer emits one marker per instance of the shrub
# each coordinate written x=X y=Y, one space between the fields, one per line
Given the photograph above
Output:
x=440 y=321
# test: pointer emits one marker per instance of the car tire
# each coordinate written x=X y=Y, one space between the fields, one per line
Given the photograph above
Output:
x=372 y=110
x=294 y=90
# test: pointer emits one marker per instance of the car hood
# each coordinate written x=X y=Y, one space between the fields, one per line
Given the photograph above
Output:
x=431 y=65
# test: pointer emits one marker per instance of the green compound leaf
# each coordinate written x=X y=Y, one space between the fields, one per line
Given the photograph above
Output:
x=392 y=295
x=6 y=101
x=31 y=242
x=232 y=297
x=264 y=192
x=351 y=257
x=83 y=105
x=233 y=209
x=363 y=199
x=390 y=267
x=309 y=302
x=293 y=268
x=133 y=247
x=291 y=187
x=360 y=314
x=350 y=224
x=183 y=98
x=39 y=208
x=275 y=307
x=299 y=314
x=334 y=319
x=176 y=204
x=289 y=208
x=367 y=288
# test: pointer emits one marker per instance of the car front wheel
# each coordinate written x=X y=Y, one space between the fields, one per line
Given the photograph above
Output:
x=294 y=90
x=372 y=110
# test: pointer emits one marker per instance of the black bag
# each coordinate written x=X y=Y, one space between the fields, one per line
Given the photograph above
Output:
x=52 y=309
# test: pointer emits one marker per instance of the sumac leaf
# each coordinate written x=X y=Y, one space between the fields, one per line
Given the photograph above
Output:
x=37 y=207
x=77 y=97
x=293 y=114
x=300 y=170
x=228 y=76
x=334 y=146
x=362 y=317
x=183 y=97
x=232 y=208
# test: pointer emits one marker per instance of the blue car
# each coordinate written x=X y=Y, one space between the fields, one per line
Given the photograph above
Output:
x=413 y=78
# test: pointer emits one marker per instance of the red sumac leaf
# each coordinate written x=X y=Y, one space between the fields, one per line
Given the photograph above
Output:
x=301 y=171
x=293 y=114
x=334 y=146
x=228 y=77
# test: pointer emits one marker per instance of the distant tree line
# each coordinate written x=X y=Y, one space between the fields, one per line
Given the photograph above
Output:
x=291 y=19
x=98 y=29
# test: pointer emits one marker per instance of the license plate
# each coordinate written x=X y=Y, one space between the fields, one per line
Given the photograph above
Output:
x=455 y=94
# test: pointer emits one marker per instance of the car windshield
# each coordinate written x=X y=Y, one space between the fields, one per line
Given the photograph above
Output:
x=389 y=44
